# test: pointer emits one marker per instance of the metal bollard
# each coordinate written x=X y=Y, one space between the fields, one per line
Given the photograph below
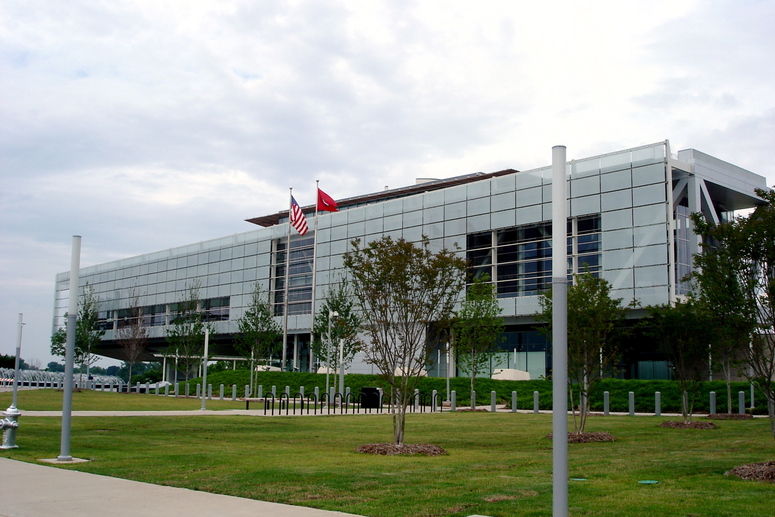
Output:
x=606 y=403
x=433 y=401
x=221 y=393
x=741 y=402
x=492 y=401
x=712 y=402
x=9 y=425
x=453 y=400
x=513 y=401
x=632 y=403
x=657 y=403
x=535 y=402
x=473 y=400
x=233 y=392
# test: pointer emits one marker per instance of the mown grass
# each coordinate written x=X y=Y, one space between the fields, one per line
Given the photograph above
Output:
x=498 y=464
x=86 y=400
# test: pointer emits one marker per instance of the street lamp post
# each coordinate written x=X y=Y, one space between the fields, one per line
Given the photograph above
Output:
x=331 y=316
x=12 y=414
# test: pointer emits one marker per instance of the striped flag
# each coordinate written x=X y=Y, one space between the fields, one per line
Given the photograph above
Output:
x=297 y=218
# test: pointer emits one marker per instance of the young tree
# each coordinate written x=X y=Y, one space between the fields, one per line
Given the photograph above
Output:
x=186 y=332
x=476 y=328
x=401 y=289
x=683 y=332
x=594 y=319
x=132 y=335
x=260 y=336
x=336 y=323
x=745 y=247
x=723 y=291
x=88 y=335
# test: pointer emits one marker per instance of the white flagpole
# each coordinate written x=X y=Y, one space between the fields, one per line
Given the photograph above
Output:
x=314 y=268
x=287 y=270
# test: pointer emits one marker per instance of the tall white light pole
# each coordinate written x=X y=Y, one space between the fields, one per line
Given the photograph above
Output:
x=331 y=315
x=341 y=366
x=12 y=414
x=559 y=336
x=204 y=372
x=72 y=319
x=16 y=365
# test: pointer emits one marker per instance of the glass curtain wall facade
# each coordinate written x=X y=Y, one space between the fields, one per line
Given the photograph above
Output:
x=627 y=223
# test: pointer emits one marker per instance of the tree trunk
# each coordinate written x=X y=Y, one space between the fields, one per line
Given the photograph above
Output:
x=399 y=419
x=771 y=411
x=728 y=377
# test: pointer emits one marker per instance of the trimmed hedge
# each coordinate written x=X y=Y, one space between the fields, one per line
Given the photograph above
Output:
x=618 y=390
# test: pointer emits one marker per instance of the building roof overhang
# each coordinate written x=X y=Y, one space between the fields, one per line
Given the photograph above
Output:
x=428 y=186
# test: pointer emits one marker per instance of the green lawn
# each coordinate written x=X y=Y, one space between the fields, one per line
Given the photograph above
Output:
x=498 y=464
x=51 y=400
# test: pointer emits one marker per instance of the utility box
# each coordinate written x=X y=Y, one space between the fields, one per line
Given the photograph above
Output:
x=370 y=398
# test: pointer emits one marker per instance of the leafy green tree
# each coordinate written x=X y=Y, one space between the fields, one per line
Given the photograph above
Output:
x=759 y=254
x=53 y=366
x=722 y=290
x=683 y=332
x=338 y=315
x=737 y=280
x=7 y=361
x=88 y=335
x=401 y=289
x=476 y=328
x=260 y=336
x=594 y=326
x=186 y=333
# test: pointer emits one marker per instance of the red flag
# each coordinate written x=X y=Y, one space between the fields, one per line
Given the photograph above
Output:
x=326 y=202
x=297 y=218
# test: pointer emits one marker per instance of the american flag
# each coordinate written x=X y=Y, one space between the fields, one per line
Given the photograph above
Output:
x=297 y=218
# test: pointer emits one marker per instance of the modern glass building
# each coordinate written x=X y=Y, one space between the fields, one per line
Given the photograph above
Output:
x=628 y=222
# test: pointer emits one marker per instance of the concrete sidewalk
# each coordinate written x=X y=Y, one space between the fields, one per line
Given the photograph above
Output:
x=30 y=490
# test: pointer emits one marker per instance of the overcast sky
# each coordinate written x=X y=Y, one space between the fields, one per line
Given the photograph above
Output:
x=144 y=125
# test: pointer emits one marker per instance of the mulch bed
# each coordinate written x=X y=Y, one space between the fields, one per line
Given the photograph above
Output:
x=730 y=416
x=391 y=449
x=587 y=437
x=672 y=424
x=755 y=471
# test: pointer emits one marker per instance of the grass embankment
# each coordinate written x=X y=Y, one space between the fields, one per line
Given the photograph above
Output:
x=498 y=464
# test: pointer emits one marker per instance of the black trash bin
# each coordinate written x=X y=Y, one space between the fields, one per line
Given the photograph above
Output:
x=370 y=398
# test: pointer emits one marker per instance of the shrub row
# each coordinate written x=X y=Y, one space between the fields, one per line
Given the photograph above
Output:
x=618 y=390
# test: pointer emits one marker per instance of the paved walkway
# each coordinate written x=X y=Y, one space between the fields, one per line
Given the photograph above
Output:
x=30 y=490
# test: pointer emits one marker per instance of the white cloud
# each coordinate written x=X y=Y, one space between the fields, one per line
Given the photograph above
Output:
x=144 y=125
